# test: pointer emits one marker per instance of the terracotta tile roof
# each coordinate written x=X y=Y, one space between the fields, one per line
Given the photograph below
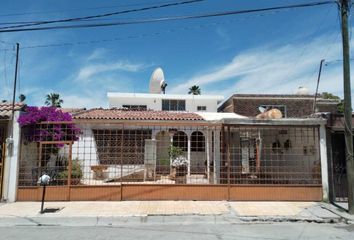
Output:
x=122 y=114
x=6 y=109
x=73 y=111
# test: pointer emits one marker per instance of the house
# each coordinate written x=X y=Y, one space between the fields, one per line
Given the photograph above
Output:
x=134 y=154
x=298 y=106
x=157 y=146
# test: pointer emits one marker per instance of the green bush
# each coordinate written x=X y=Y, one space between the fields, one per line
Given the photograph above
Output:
x=76 y=172
x=174 y=152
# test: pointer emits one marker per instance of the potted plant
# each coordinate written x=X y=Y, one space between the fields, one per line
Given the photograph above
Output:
x=179 y=164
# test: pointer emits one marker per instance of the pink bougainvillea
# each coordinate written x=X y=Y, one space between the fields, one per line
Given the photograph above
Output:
x=48 y=124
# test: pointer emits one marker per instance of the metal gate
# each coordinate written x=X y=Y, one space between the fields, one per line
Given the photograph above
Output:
x=174 y=162
x=340 y=182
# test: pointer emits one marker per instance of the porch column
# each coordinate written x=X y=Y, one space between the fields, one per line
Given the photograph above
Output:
x=171 y=144
x=217 y=156
x=154 y=133
x=208 y=154
x=324 y=163
x=189 y=154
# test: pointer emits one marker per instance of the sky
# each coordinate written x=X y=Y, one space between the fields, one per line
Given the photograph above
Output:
x=268 y=52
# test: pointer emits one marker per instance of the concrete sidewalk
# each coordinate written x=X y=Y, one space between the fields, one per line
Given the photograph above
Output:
x=109 y=213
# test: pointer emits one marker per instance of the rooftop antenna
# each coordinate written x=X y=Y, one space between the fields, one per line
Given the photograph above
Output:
x=163 y=87
x=157 y=82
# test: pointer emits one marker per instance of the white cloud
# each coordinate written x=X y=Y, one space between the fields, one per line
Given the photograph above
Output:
x=88 y=71
x=273 y=69
x=97 y=54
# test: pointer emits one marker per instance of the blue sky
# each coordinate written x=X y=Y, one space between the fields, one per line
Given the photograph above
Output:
x=272 y=52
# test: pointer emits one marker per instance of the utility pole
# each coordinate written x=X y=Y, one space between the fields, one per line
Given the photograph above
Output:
x=318 y=83
x=345 y=8
x=15 y=82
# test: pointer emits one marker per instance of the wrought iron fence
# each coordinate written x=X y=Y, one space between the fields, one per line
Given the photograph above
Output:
x=112 y=154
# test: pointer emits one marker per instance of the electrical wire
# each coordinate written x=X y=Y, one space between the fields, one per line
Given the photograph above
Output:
x=78 y=9
x=173 y=18
x=143 y=35
x=104 y=15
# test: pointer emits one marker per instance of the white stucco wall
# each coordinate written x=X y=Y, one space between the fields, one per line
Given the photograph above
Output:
x=154 y=101
x=12 y=162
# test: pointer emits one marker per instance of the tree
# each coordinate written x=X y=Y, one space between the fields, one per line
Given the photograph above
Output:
x=194 y=90
x=54 y=128
x=340 y=106
x=53 y=100
x=22 y=97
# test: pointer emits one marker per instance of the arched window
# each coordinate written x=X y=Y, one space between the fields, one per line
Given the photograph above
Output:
x=180 y=140
x=197 y=142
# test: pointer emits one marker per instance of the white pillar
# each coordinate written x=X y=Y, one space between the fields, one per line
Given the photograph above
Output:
x=217 y=156
x=12 y=162
x=189 y=154
x=208 y=154
x=171 y=144
x=324 y=163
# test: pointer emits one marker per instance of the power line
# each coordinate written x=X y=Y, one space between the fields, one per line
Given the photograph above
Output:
x=83 y=20
x=144 y=35
x=105 y=14
x=78 y=9
x=164 y=19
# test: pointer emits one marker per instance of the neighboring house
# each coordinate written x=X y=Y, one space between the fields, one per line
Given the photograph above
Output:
x=9 y=143
x=164 y=102
x=297 y=106
x=291 y=105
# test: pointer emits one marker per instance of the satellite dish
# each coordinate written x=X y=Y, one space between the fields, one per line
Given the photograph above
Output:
x=157 y=81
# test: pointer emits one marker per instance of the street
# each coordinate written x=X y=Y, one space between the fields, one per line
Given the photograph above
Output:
x=178 y=231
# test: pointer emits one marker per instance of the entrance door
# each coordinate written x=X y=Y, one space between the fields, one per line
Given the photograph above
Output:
x=2 y=154
x=339 y=168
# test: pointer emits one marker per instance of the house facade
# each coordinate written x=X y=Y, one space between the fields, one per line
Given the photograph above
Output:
x=124 y=154
x=164 y=102
x=297 y=106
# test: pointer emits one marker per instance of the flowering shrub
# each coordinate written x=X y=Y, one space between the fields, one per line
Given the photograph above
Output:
x=49 y=129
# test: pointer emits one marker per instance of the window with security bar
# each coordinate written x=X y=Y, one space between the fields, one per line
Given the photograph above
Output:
x=173 y=105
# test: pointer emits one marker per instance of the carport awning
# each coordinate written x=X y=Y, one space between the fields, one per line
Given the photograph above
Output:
x=217 y=116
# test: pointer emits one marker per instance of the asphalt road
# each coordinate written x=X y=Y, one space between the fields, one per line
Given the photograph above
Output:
x=178 y=231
